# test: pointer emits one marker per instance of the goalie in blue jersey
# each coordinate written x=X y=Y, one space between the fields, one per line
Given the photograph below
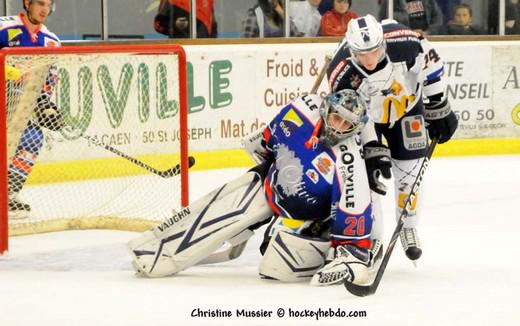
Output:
x=310 y=184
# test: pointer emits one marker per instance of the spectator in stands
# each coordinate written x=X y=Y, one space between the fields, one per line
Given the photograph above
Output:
x=173 y=19
x=335 y=22
x=512 y=23
x=462 y=22
x=431 y=8
x=325 y=6
x=265 y=19
x=306 y=17
x=447 y=8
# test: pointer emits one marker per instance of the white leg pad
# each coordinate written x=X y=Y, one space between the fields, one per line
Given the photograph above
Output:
x=291 y=257
x=198 y=230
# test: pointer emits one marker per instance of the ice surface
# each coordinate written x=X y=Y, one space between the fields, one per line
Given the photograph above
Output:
x=468 y=274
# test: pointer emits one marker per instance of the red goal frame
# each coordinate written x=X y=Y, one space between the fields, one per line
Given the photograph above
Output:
x=102 y=49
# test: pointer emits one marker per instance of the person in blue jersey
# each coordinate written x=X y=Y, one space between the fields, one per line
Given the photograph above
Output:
x=27 y=29
x=310 y=185
x=393 y=69
x=317 y=185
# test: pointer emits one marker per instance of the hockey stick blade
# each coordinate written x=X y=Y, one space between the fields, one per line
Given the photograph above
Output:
x=174 y=170
x=364 y=290
x=360 y=290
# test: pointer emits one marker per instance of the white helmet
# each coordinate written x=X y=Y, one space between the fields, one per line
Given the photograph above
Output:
x=350 y=113
x=364 y=34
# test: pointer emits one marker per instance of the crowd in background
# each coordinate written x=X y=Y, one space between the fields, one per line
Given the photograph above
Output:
x=311 y=18
x=157 y=19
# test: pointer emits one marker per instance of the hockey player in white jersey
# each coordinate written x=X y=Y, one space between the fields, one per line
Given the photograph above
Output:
x=311 y=182
x=393 y=68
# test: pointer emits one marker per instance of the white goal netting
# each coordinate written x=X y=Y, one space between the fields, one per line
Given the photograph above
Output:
x=88 y=134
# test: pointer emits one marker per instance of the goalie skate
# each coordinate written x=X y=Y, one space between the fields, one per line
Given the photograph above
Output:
x=350 y=263
x=193 y=234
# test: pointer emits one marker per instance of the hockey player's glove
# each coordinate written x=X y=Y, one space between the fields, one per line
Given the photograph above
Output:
x=47 y=114
x=378 y=163
x=441 y=120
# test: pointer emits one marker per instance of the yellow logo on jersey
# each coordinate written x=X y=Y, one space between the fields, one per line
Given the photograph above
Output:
x=293 y=117
x=13 y=33
x=394 y=89
x=399 y=105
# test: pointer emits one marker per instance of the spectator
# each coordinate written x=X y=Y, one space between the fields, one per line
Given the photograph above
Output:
x=173 y=19
x=462 y=23
x=335 y=22
x=447 y=8
x=266 y=20
x=431 y=8
x=512 y=23
x=325 y=6
x=306 y=17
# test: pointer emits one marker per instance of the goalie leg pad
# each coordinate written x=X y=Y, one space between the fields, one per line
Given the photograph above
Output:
x=292 y=257
x=198 y=230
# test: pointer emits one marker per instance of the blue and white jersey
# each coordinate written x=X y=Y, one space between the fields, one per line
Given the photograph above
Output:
x=309 y=180
x=14 y=33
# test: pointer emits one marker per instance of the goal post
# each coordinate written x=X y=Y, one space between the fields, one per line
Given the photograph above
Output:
x=122 y=112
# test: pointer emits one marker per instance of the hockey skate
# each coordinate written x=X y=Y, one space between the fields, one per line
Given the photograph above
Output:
x=18 y=209
x=411 y=243
x=350 y=263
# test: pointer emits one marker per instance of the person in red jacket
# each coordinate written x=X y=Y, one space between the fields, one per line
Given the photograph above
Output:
x=334 y=22
x=173 y=19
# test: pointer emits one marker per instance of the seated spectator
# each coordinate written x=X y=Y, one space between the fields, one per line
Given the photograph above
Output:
x=431 y=9
x=306 y=17
x=447 y=8
x=325 y=6
x=335 y=22
x=173 y=19
x=266 y=20
x=461 y=24
x=512 y=23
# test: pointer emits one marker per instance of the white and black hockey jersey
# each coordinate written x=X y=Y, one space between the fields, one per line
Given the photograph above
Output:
x=411 y=68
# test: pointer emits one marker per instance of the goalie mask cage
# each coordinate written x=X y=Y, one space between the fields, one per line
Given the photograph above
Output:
x=126 y=99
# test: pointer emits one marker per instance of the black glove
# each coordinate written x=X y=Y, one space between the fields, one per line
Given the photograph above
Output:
x=441 y=120
x=47 y=114
x=378 y=163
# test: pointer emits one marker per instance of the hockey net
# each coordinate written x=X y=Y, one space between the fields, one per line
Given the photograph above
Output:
x=114 y=101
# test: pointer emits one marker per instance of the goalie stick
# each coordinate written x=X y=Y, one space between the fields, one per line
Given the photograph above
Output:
x=171 y=172
x=364 y=290
x=322 y=73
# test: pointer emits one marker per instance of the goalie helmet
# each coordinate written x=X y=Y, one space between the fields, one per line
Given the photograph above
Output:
x=343 y=114
x=364 y=34
x=53 y=6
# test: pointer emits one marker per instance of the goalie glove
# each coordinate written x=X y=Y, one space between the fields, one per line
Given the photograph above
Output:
x=378 y=163
x=47 y=114
x=441 y=120
x=254 y=145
